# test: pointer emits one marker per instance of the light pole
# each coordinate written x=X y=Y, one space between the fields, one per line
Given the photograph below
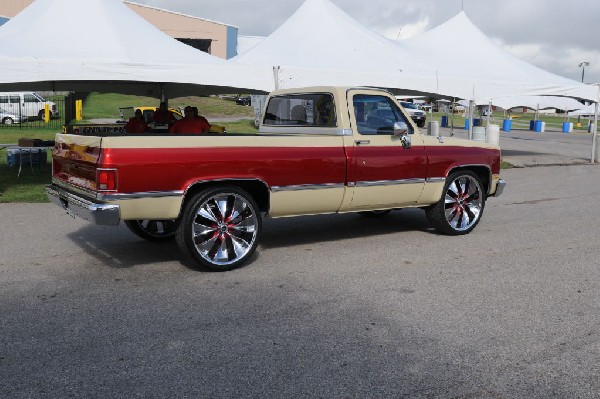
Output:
x=582 y=66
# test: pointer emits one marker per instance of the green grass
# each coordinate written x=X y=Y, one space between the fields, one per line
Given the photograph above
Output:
x=28 y=187
x=106 y=106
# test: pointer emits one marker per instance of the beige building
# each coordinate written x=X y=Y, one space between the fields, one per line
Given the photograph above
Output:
x=215 y=38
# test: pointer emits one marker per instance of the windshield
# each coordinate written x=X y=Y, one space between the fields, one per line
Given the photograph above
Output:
x=408 y=105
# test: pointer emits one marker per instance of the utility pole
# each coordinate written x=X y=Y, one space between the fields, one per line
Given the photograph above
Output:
x=582 y=65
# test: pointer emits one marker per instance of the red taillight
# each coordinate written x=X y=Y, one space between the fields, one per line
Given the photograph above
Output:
x=106 y=179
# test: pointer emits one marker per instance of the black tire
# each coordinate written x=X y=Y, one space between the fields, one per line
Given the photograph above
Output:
x=8 y=121
x=220 y=228
x=421 y=124
x=42 y=113
x=461 y=206
x=247 y=103
x=375 y=214
x=153 y=230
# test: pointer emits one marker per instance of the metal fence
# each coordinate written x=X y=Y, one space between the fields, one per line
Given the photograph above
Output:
x=18 y=114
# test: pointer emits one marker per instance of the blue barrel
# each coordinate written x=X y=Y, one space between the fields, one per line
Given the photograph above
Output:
x=532 y=125
x=476 y=122
x=566 y=127
x=444 y=121
x=538 y=127
x=507 y=125
x=467 y=124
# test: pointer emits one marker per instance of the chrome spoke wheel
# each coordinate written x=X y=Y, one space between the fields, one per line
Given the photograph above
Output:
x=461 y=206
x=222 y=228
x=463 y=203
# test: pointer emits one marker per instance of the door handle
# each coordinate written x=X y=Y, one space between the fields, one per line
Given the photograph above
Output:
x=361 y=142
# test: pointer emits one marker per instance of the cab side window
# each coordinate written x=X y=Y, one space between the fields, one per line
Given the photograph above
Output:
x=14 y=99
x=311 y=109
x=377 y=114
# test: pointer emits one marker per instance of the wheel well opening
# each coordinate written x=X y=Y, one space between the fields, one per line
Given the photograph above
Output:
x=481 y=171
x=257 y=189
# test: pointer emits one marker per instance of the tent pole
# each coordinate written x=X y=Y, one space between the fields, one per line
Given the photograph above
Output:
x=471 y=103
x=276 y=76
x=595 y=146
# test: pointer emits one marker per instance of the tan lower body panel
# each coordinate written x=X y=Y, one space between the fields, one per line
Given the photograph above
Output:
x=161 y=208
x=306 y=202
x=381 y=197
x=432 y=193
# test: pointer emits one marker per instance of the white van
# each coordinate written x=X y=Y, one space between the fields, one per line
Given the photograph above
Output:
x=26 y=104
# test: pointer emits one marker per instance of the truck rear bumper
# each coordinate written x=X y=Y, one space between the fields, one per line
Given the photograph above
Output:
x=102 y=214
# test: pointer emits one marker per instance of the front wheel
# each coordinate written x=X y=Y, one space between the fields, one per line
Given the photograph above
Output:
x=220 y=228
x=461 y=206
x=153 y=230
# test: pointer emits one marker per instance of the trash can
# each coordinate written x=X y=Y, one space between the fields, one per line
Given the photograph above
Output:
x=507 y=125
x=591 y=128
x=433 y=128
x=444 y=121
x=532 y=125
x=478 y=133
x=467 y=124
x=493 y=134
x=539 y=126
x=567 y=127
x=476 y=122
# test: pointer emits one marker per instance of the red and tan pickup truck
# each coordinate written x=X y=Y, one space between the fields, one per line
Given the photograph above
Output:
x=318 y=150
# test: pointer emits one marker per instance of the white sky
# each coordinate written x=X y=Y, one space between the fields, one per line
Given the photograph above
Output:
x=556 y=35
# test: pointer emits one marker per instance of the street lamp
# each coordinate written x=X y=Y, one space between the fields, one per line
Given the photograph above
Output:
x=583 y=65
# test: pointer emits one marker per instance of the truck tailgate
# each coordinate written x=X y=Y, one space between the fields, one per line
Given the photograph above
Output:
x=74 y=160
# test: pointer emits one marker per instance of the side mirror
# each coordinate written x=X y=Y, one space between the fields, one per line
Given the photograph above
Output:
x=400 y=129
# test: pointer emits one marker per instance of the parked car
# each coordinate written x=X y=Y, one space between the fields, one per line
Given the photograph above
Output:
x=8 y=118
x=27 y=103
x=244 y=100
x=415 y=113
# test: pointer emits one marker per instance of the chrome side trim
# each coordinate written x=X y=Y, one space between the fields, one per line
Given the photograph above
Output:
x=102 y=214
x=388 y=182
x=435 y=179
x=299 y=187
x=149 y=194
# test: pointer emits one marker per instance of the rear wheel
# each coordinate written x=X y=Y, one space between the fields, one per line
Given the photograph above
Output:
x=153 y=230
x=220 y=228
x=8 y=121
x=461 y=206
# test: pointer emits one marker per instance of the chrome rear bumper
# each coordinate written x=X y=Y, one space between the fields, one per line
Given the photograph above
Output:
x=102 y=214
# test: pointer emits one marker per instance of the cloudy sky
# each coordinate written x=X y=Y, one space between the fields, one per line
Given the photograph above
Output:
x=556 y=35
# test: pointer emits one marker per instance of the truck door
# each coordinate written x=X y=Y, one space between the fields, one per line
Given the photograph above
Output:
x=382 y=171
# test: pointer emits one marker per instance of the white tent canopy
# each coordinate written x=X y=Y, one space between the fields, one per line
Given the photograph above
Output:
x=321 y=45
x=490 y=70
x=536 y=102
x=102 y=45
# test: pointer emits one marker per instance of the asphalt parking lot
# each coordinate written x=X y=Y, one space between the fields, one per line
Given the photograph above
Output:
x=334 y=306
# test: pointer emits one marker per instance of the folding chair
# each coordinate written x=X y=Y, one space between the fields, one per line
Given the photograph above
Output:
x=25 y=155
